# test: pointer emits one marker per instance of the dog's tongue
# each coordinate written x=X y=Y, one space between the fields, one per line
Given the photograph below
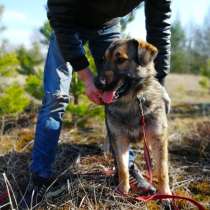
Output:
x=108 y=96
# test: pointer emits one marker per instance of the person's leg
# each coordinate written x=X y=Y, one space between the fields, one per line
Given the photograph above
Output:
x=57 y=78
x=101 y=41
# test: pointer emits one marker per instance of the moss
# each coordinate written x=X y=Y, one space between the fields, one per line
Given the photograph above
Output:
x=202 y=187
x=153 y=205
x=24 y=137
x=6 y=144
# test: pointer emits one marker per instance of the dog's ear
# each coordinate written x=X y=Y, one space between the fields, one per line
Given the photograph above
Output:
x=145 y=52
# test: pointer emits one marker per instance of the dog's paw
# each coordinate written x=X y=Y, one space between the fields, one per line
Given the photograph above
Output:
x=123 y=188
x=167 y=204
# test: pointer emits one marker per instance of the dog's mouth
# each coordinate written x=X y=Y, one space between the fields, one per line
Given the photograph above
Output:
x=118 y=88
x=110 y=96
x=121 y=89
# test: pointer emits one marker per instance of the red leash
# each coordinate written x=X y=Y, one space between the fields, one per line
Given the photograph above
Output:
x=162 y=196
x=149 y=171
x=147 y=157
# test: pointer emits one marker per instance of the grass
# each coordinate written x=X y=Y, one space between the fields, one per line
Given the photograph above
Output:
x=185 y=88
x=80 y=162
x=89 y=188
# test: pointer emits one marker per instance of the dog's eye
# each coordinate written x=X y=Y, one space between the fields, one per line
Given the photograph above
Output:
x=120 y=60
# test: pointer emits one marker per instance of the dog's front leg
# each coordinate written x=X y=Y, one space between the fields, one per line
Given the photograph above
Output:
x=160 y=152
x=121 y=152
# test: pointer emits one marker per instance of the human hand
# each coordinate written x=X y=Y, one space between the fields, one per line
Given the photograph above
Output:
x=91 y=91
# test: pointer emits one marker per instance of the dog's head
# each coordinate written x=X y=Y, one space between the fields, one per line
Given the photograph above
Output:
x=126 y=62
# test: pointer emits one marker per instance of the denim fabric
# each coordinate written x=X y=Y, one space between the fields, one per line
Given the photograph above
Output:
x=57 y=78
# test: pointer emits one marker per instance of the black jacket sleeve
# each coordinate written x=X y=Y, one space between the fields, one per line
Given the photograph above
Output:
x=69 y=42
x=158 y=15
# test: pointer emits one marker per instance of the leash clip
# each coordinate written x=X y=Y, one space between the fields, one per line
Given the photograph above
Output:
x=141 y=98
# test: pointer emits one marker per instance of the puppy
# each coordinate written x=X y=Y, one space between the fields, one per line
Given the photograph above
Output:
x=128 y=79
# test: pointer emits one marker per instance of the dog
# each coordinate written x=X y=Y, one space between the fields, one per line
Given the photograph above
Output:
x=130 y=89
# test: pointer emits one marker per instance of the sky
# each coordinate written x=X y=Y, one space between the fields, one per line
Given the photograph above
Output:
x=23 y=18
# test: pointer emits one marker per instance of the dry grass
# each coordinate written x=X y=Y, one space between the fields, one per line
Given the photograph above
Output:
x=81 y=166
x=185 y=88
x=80 y=162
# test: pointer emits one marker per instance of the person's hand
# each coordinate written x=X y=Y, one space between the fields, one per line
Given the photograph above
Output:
x=167 y=100
x=90 y=89
x=92 y=92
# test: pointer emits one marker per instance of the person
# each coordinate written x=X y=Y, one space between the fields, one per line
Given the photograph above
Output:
x=75 y=22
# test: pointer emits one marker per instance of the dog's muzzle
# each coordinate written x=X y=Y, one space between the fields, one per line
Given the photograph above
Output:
x=127 y=81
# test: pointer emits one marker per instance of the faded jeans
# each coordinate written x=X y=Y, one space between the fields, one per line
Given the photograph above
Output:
x=57 y=78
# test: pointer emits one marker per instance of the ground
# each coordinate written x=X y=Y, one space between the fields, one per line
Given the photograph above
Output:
x=81 y=163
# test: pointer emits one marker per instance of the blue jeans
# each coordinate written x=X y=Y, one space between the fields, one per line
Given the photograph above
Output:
x=57 y=78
